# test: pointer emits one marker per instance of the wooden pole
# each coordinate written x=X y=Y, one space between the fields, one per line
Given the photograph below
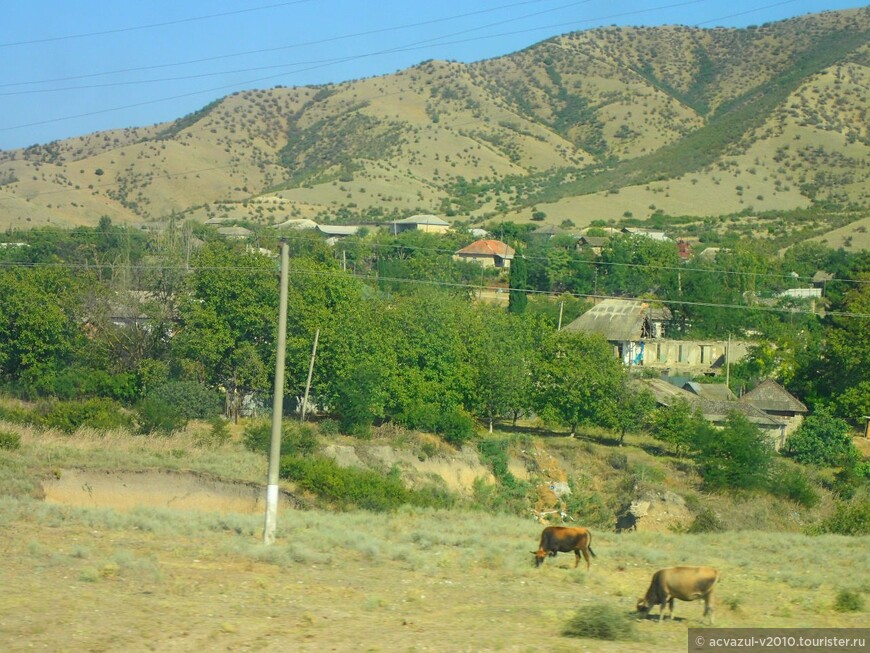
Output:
x=310 y=373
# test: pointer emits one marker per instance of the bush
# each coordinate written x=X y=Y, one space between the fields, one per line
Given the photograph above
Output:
x=189 y=399
x=794 y=485
x=350 y=487
x=736 y=457
x=706 y=521
x=453 y=425
x=299 y=440
x=848 y=601
x=822 y=440
x=67 y=416
x=218 y=433
x=156 y=416
x=848 y=519
x=9 y=441
x=600 y=622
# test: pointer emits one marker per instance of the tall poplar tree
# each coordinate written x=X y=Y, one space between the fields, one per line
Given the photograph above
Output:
x=518 y=283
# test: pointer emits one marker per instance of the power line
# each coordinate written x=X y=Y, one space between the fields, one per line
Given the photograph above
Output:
x=134 y=28
x=94 y=236
x=322 y=41
x=413 y=46
x=376 y=279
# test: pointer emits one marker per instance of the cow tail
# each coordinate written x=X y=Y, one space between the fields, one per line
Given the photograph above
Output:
x=589 y=546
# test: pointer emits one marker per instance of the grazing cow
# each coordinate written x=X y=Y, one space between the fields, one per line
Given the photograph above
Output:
x=556 y=539
x=684 y=583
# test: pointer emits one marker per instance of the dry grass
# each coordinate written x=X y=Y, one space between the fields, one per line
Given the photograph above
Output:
x=148 y=578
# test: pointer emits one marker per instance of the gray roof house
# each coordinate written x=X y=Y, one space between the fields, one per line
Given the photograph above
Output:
x=717 y=411
x=770 y=397
x=427 y=223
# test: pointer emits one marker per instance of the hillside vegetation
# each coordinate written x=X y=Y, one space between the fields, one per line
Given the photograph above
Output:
x=593 y=125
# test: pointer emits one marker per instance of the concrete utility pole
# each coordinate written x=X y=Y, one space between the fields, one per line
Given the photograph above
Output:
x=561 y=307
x=277 y=404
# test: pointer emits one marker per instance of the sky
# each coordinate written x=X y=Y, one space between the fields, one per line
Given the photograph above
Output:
x=72 y=68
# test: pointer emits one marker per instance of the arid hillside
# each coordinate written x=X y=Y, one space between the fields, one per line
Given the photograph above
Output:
x=600 y=124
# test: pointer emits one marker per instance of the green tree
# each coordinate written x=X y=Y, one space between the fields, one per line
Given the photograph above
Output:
x=518 y=284
x=501 y=350
x=629 y=410
x=41 y=313
x=679 y=424
x=736 y=457
x=575 y=376
x=228 y=319
x=822 y=439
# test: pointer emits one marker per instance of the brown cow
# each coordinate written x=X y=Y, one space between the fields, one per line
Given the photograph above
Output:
x=556 y=539
x=684 y=583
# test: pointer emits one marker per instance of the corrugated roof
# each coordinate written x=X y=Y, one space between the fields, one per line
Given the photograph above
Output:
x=337 y=230
x=615 y=319
x=712 y=391
x=772 y=397
x=488 y=248
x=422 y=219
x=668 y=394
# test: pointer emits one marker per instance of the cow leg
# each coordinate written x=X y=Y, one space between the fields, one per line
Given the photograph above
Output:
x=708 y=607
x=576 y=558
x=671 y=608
x=586 y=556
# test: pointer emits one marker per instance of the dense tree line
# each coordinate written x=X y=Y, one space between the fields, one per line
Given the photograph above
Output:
x=116 y=313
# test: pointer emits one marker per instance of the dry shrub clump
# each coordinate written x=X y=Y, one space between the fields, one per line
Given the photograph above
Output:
x=600 y=622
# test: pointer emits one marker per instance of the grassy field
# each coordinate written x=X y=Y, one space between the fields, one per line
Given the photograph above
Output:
x=156 y=579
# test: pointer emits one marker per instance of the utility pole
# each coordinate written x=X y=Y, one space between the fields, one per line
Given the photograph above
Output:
x=310 y=373
x=728 y=363
x=277 y=404
x=561 y=306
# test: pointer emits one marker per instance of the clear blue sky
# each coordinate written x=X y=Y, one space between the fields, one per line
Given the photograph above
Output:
x=74 y=67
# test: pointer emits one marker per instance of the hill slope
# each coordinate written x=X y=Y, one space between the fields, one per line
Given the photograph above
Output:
x=590 y=125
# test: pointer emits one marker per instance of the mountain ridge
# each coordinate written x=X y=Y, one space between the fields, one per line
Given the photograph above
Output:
x=602 y=124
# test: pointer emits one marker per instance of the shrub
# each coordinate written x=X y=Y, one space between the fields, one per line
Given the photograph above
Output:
x=600 y=622
x=822 y=440
x=848 y=601
x=218 y=433
x=9 y=441
x=297 y=440
x=736 y=457
x=350 y=487
x=189 y=399
x=155 y=416
x=18 y=415
x=706 y=521
x=793 y=484
x=98 y=413
x=848 y=519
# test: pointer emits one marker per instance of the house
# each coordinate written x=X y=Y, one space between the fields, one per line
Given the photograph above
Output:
x=428 y=223
x=652 y=234
x=636 y=330
x=487 y=253
x=684 y=250
x=625 y=323
x=711 y=391
x=547 y=232
x=594 y=243
x=297 y=224
x=335 y=232
x=770 y=397
x=236 y=233
x=717 y=411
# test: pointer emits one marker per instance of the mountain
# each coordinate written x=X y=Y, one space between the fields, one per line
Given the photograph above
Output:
x=596 y=125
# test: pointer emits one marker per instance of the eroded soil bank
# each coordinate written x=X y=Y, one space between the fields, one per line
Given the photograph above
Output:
x=124 y=490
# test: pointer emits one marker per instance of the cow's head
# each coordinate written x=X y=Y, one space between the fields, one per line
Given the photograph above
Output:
x=540 y=554
x=642 y=605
